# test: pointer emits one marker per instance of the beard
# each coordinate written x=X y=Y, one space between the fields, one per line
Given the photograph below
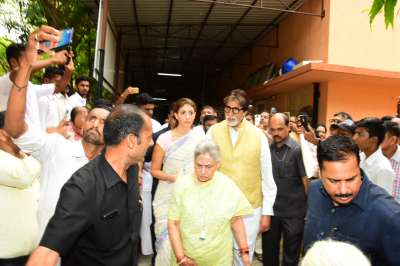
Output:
x=91 y=137
x=232 y=122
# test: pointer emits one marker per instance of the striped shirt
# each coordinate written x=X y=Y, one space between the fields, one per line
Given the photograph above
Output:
x=395 y=162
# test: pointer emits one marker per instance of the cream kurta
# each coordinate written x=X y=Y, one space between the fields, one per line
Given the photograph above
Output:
x=205 y=211
x=19 y=194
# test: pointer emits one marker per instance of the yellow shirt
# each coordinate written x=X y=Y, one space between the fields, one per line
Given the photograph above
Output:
x=19 y=191
x=205 y=211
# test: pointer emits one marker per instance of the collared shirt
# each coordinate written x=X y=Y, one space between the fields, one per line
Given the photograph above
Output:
x=53 y=109
x=97 y=218
x=378 y=169
x=268 y=184
x=76 y=100
x=371 y=222
x=395 y=162
x=34 y=92
x=59 y=159
x=19 y=193
x=288 y=170
x=156 y=126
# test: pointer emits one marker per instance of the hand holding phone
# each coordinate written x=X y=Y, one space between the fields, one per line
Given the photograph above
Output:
x=304 y=122
x=63 y=42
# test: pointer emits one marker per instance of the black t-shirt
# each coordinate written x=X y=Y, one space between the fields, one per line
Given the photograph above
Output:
x=97 y=218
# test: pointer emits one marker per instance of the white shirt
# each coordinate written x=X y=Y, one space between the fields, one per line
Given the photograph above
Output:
x=19 y=193
x=269 y=188
x=156 y=125
x=34 y=92
x=378 y=169
x=53 y=109
x=199 y=129
x=76 y=100
x=59 y=158
x=396 y=155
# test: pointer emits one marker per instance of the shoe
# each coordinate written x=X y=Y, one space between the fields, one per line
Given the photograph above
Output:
x=258 y=256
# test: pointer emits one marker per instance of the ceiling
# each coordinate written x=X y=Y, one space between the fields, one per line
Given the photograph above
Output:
x=196 y=38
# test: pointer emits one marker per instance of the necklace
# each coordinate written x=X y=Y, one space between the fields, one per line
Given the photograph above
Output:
x=283 y=157
x=203 y=230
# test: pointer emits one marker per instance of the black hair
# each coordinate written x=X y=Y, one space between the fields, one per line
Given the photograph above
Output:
x=51 y=72
x=143 y=99
x=344 y=115
x=320 y=125
x=392 y=128
x=75 y=112
x=374 y=126
x=103 y=103
x=252 y=115
x=336 y=148
x=386 y=118
x=2 y=117
x=209 y=117
x=285 y=118
x=15 y=51
x=80 y=79
x=125 y=119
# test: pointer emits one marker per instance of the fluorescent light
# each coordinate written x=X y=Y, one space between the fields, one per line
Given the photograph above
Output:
x=159 y=99
x=169 y=74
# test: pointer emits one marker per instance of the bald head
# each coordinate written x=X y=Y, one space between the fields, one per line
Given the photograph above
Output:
x=279 y=128
x=281 y=117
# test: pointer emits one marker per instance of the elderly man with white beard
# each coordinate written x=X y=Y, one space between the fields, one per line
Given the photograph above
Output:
x=245 y=157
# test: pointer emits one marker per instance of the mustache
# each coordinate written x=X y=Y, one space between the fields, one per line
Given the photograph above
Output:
x=343 y=195
x=93 y=129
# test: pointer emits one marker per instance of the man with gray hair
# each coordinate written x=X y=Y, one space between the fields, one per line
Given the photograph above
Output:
x=246 y=159
x=98 y=214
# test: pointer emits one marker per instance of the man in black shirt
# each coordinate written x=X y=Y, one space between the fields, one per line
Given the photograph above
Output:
x=290 y=203
x=97 y=219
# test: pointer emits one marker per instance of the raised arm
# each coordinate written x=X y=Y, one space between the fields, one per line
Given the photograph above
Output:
x=59 y=58
x=69 y=69
x=128 y=91
x=15 y=116
x=14 y=121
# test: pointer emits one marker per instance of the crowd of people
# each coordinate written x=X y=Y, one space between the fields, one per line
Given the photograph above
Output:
x=95 y=182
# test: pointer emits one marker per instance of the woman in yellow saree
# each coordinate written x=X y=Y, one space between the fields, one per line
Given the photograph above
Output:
x=205 y=214
x=173 y=156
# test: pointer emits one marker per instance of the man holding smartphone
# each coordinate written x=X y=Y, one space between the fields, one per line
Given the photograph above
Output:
x=14 y=54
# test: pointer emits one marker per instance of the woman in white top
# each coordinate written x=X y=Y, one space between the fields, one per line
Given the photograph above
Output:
x=172 y=157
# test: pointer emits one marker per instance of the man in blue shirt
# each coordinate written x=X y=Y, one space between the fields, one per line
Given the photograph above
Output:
x=346 y=206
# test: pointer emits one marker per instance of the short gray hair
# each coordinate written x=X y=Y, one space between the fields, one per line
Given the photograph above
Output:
x=324 y=253
x=207 y=147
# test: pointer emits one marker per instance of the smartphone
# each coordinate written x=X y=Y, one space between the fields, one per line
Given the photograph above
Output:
x=304 y=122
x=64 y=41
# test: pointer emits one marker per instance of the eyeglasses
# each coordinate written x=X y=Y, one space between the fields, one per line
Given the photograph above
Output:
x=335 y=121
x=234 y=110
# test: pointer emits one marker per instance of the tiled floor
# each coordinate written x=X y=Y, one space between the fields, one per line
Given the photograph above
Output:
x=146 y=261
